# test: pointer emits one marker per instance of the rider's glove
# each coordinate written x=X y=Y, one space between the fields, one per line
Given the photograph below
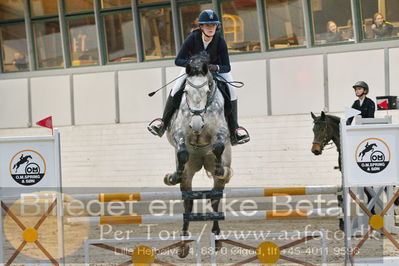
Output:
x=213 y=68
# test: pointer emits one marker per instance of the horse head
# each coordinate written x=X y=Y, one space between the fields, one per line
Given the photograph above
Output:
x=321 y=133
x=199 y=90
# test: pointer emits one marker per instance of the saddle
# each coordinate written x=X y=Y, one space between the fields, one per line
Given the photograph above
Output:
x=221 y=85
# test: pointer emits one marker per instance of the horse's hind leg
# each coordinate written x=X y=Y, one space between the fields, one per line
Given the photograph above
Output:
x=185 y=185
x=218 y=185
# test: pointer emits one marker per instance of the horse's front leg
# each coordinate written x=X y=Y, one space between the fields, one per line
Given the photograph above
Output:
x=182 y=157
x=218 y=149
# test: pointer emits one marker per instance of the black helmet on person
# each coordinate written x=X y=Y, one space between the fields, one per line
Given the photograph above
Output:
x=362 y=84
x=208 y=17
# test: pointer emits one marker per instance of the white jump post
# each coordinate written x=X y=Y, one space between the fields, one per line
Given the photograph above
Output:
x=370 y=158
x=27 y=165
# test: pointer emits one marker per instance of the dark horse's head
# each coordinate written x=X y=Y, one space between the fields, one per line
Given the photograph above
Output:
x=325 y=128
x=198 y=65
x=198 y=90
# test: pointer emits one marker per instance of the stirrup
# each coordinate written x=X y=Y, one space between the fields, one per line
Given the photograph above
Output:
x=240 y=139
x=156 y=129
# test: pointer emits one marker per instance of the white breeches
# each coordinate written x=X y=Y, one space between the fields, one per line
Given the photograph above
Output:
x=226 y=76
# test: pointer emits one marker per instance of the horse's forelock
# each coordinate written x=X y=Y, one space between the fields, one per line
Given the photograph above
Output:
x=198 y=65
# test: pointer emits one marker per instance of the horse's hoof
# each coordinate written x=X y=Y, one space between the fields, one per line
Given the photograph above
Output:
x=171 y=179
x=183 y=251
x=219 y=172
x=218 y=245
x=168 y=180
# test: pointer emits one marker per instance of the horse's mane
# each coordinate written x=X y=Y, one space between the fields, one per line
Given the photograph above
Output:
x=334 y=118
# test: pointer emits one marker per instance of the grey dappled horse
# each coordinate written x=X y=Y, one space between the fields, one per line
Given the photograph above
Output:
x=199 y=133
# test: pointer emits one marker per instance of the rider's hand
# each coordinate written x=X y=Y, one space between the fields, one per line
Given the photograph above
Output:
x=213 y=68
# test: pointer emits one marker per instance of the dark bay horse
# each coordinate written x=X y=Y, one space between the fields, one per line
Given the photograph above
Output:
x=199 y=133
x=325 y=129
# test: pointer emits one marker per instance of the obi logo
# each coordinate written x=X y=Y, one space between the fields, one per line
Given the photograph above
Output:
x=372 y=155
x=27 y=167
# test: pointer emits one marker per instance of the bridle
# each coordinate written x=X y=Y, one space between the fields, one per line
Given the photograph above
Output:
x=325 y=140
x=209 y=99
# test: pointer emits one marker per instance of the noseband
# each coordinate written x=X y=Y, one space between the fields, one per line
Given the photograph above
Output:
x=209 y=99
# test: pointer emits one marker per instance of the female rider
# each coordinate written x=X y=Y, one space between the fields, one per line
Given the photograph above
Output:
x=208 y=39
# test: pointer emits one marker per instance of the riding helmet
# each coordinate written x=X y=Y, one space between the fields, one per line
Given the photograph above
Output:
x=208 y=17
x=361 y=84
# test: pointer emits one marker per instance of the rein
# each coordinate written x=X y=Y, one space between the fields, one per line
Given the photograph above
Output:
x=209 y=99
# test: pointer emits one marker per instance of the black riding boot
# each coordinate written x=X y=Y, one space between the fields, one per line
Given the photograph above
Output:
x=158 y=129
x=234 y=128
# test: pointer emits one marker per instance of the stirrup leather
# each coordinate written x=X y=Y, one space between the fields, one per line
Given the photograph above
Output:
x=156 y=127
x=240 y=138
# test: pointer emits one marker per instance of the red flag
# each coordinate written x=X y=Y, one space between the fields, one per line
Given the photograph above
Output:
x=46 y=122
x=383 y=104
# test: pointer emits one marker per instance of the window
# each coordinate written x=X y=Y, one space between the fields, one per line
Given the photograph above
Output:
x=374 y=18
x=157 y=33
x=114 y=3
x=14 y=48
x=48 y=44
x=11 y=9
x=240 y=25
x=43 y=7
x=119 y=35
x=330 y=24
x=189 y=17
x=82 y=41
x=285 y=23
x=78 y=5
x=150 y=1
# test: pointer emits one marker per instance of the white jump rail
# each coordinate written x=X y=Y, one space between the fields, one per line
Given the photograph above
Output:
x=220 y=216
x=227 y=193
x=320 y=233
x=195 y=238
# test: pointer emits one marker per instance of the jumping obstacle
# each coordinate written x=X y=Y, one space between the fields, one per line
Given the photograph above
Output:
x=31 y=164
x=210 y=194
x=268 y=250
x=210 y=216
x=145 y=256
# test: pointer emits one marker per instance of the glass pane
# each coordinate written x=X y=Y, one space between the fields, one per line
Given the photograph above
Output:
x=157 y=30
x=43 y=7
x=330 y=24
x=115 y=3
x=13 y=48
x=150 y=1
x=119 y=35
x=285 y=23
x=78 y=5
x=240 y=25
x=189 y=17
x=83 y=41
x=48 y=44
x=11 y=9
x=375 y=26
